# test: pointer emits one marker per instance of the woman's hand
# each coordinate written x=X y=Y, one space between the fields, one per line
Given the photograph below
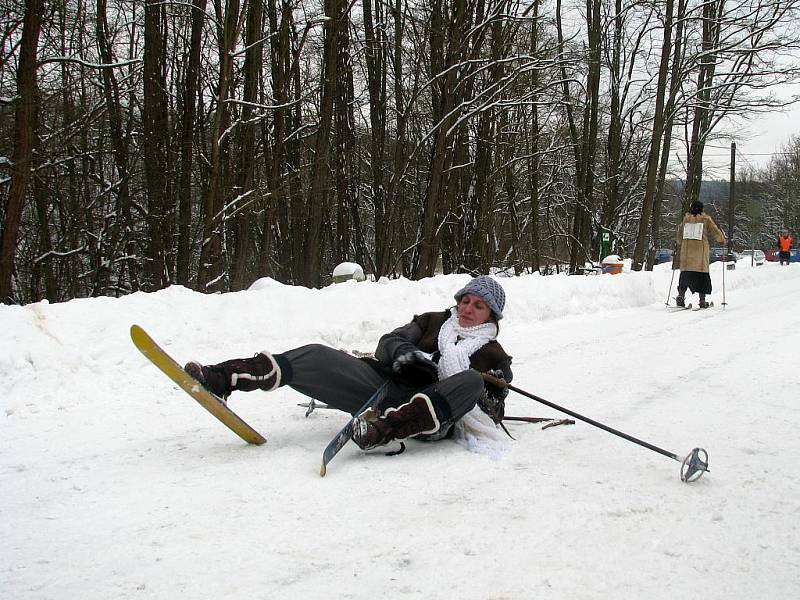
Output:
x=493 y=399
x=416 y=368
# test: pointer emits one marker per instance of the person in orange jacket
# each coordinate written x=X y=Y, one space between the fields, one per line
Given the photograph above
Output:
x=785 y=247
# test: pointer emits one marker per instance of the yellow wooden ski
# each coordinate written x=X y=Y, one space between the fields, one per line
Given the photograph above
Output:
x=191 y=386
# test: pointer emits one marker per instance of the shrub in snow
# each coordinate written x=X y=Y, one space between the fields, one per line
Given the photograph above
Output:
x=612 y=259
x=346 y=271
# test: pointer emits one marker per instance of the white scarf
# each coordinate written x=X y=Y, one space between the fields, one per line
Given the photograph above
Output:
x=457 y=344
x=476 y=431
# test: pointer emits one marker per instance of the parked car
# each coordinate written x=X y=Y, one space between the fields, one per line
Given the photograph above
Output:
x=757 y=257
x=772 y=255
x=663 y=255
x=715 y=254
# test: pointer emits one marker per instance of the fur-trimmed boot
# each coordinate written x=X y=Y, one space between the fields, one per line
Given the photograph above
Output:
x=417 y=416
x=260 y=372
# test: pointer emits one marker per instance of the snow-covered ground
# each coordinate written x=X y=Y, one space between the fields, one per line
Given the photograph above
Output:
x=115 y=484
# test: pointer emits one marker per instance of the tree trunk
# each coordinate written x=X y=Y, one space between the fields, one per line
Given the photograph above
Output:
x=703 y=109
x=155 y=137
x=188 y=118
x=577 y=145
x=582 y=218
x=25 y=129
x=120 y=140
x=211 y=269
x=396 y=204
x=614 y=145
x=533 y=253
x=335 y=11
x=669 y=112
x=655 y=143
x=448 y=41
x=276 y=215
x=243 y=222
x=347 y=245
x=375 y=57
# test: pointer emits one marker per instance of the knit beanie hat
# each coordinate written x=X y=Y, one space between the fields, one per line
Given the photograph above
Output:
x=696 y=208
x=489 y=291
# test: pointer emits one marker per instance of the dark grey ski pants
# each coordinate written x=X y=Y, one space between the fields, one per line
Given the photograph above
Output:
x=346 y=382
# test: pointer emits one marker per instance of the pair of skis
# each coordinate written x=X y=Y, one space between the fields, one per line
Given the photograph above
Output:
x=673 y=309
x=219 y=408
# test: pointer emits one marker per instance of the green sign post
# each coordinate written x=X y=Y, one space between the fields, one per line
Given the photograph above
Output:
x=605 y=243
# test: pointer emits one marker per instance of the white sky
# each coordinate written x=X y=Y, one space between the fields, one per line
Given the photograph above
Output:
x=116 y=484
x=757 y=140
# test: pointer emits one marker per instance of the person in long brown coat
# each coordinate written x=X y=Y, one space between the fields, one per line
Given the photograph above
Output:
x=692 y=243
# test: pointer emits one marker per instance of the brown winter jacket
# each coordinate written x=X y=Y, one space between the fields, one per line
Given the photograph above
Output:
x=422 y=333
x=694 y=253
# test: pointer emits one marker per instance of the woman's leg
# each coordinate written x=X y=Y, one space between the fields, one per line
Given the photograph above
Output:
x=459 y=392
x=323 y=373
x=329 y=375
x=682 y=285
x=429 y=413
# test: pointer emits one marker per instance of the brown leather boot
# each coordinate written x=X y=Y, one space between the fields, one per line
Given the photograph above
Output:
x=417 y=416
x=260 y=372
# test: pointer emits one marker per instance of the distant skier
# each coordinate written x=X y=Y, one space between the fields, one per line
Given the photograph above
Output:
x=433 y=365
x=692 y=244
x=785 y=247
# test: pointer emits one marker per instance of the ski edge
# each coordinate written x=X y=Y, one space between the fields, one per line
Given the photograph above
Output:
x=340 y=440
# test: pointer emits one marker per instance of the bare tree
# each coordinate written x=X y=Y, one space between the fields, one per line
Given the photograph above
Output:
x=583 y=139
x=243 y=222
x=188 y=125
x=211 y=272
x=25 y=128
x=448 y=36
x=653 y=159
x=156 y=136
x=739 y=56
x=336 y=17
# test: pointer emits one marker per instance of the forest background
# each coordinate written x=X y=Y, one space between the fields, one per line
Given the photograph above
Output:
x=145 y=143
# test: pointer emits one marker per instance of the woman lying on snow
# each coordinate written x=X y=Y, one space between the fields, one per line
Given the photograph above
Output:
x=433 y=367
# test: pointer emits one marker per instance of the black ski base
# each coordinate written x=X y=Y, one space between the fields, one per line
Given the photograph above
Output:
x=346 y=433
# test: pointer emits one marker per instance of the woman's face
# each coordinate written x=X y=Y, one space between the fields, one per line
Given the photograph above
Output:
x=472 y=311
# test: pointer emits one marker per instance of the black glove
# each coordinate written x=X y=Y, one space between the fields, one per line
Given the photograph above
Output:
x=493 y=399
x=416 y=369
